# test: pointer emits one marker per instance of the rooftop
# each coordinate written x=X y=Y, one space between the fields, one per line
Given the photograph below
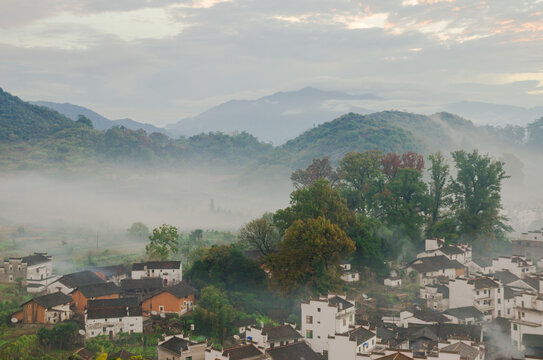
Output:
x=336 y=300
x=110 y=303
x=176 y=345
x=505 y=276
x=242 y=352
x=465 y=312
x=113 y=312
x=142 y=284
x=96 y=290
x=465 y=351
x=51 y=300
x=296 y=351
x=434 y=263
x=78 y=279
x=281 y=332
x=157 y=265
x=395 y=356
x=37 y=258
x=360 y=335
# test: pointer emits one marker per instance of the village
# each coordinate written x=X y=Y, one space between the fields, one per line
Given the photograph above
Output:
x=460 y=305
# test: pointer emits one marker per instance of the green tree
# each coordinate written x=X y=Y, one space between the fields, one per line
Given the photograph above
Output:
x=138 y=230
x=320 y=199
x=163 y=242
x=319 y=169
x=361 y=178
x=22 y=348
x=260 y=234
x=439 y=172
x=476 y=198
x=309 y=256
x=83 y=120
x=214 y=314
x=403 y=203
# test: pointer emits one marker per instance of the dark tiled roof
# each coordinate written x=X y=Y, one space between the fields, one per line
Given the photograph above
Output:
x=385 y=334
x=242 y=352
x=505 y=277
x=431 y=316
x=465 y=351
x=148 y=284
x=451 y=250
x=533 y=282
x=336 y=300
x=176 y=345
x=37 y=258
x=282 y=332
x=508 y=293
x=483 y=262
x=50 y=300
x=434 y=263
x=484 y=283
x=181 y=290
x=112 y=270
x=244 y=322
x=424 y=332
x=360 y=335
x=81 y=278
x=111 y=303
x=395 y=356
x=113 y=312
x=96 y=290
x=465 y=312
x=296 y=351
x=157 y=265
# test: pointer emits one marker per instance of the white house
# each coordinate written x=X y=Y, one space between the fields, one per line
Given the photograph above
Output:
x=483 y=293
x=70 y=282
x=349 y=275
x=464 y=315
x=270 y=337
x=393 y=282
x=171 y=272
x=324 y=317
x=347 y=345
x=110 y=317
x=432 y=269
x=478 y=267
x=436 y=247
x=528 y=318
x=436 y=296
x=518 y=265
x=177 y=347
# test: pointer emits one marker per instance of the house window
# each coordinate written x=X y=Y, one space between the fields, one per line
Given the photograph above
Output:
x=515 y=327
x=272 y=345
x=318 y=309
x=282 y=343
x=499 y=301
x=11 y=278
x=161 y=308
x=499 y=290
x=477 y=292
x=188 y=358
x=309 y=334
x=309 y=319
x=120 y=319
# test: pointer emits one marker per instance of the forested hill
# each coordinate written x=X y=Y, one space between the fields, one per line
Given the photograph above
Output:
x=31 y=135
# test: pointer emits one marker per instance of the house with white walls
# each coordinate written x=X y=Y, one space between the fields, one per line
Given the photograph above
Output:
x=272 y=336
x=348 y=274
x=346 y=346
x=437 y=247
x=518 y=265
x=483 y=293
x=528 y=318
x=324 y=317
x=109 y=317
x=436 y=296
x=432 y=269
x=171 y=272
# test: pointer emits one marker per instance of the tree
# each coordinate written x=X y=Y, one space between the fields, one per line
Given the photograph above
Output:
x=83 y=120
x=138 y=230
x=403 y=203
x=260 y=234
x=476 y=198
x=163 y=241
x=361 y=178
x=391 y=162
x=319 y=169
x=314 y=201
x=308 y=257
x=439 y=172
x=412 y=160
x=214 y=314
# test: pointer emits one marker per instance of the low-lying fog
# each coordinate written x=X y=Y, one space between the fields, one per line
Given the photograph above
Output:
x=187 y=199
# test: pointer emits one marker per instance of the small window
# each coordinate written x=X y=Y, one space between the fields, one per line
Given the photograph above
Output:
x=120 y=320
x=318 y=309
x=344 y=321
x=515 y=327
x=272 y=345
x=309 y=319
x=161 y=308
x=309 y=334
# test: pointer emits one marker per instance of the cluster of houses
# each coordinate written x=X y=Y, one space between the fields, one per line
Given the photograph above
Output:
x=107 y=300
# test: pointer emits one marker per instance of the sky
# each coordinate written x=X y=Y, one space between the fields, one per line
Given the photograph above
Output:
x=160 y=61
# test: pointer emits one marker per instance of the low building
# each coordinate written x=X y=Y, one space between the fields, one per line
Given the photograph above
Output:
x=296 y=351
x=479 y=267
x=464 y=315
x=436 y=296
x=270 y=337
x=171 y=272
x=141 y=288
x=242 y=352
x=483 y=293
x=432 y=269
x=112 y=273
x=346 y=346
x=70 y=282
x=393 y=282
x=518 y=265
x=47 y=309
x=34 y=271
x=348 y=274
x=83 y=294
x=437 y=247
x=530 y=245
x=426 y=317
x=324 y=317
x=109 y=317
x=177 y=299
x=179 y=348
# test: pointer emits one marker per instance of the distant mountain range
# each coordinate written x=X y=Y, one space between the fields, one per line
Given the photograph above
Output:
x=495 y=114
x=98 y=121
x=276 y=118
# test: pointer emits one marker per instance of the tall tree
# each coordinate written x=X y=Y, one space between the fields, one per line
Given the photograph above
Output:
x=138 y=230
x=439 y=172
x=308 y=257
x=260 y=234
x=163 y=242
x=361 y=178
x=391 y=162
x=318 y=169
x=320 y=199
x=476 y=197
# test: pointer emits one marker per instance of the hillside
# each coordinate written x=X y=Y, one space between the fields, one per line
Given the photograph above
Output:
x=492 y=114
x=98 y=121
x=275 y=118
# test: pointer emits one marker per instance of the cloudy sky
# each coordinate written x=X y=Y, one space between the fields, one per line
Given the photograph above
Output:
x=159 y=61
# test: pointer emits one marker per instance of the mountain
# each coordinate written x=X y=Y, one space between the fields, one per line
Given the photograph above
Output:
x=98 y=121
x=275 y=118
x=495 y=114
